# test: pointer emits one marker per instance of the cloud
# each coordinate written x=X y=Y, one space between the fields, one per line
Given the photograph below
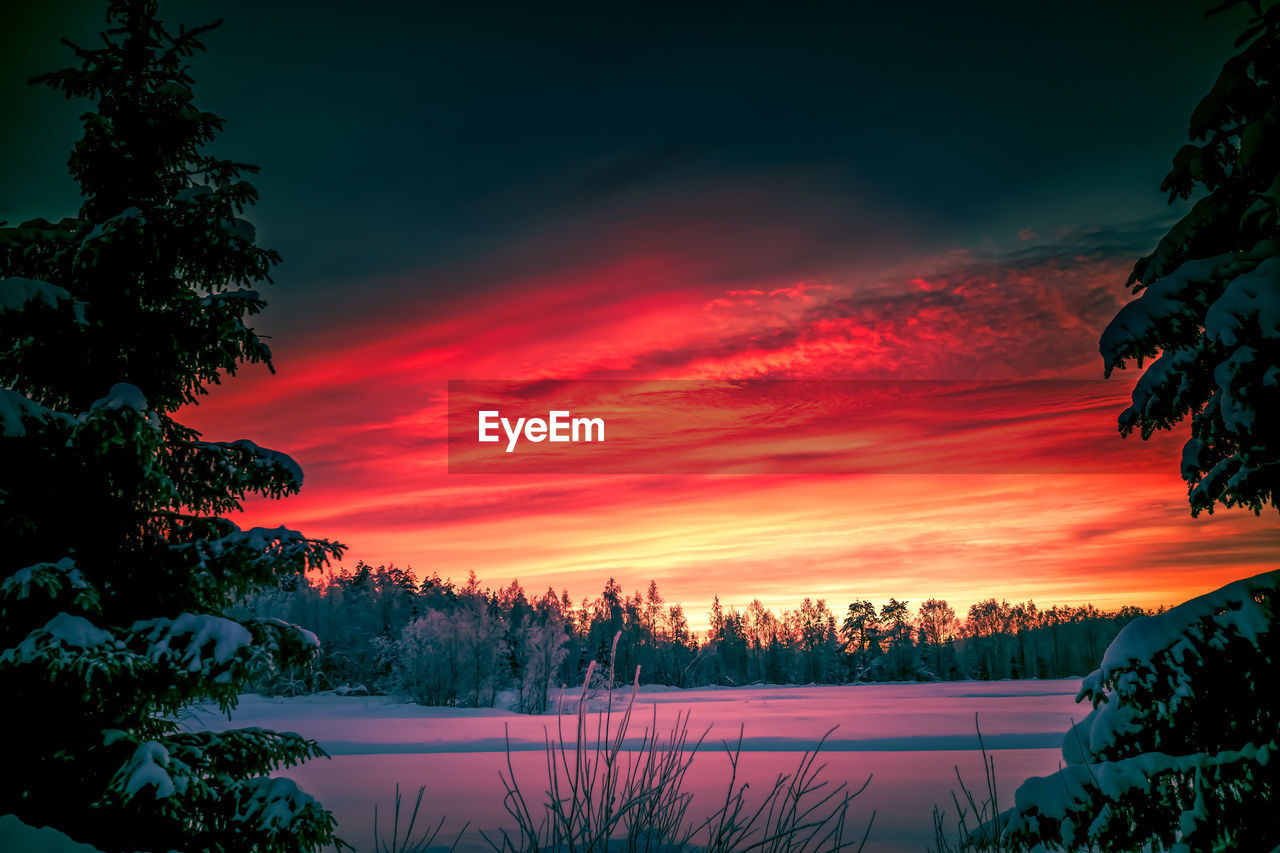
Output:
x=361 y=402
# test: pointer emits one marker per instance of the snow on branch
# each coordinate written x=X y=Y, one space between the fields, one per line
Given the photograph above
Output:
x=1166 y=310
x=1177 y=745
x=16 y=293
x=18 y=414
x=1185 y=240
x=275 y=804
x=200 y=654
x=196 y=642
x=1236 y=608
x=123 y=416
x=284 y=642
x=148 y=767
x=63 y=631
x=121 y=396
x=259 y=554
x=52 y=579
x=1249 y=306
x=244 y=453
x=246 y=295
x=108 y=226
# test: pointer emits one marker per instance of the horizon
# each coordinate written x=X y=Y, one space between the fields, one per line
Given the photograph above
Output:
x=682 y=211
x=701 y=624
x=882 y=439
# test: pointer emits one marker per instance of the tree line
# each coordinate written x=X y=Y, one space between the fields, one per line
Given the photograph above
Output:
x=440 y=643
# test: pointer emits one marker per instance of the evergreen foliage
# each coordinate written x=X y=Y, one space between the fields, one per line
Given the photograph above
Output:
x=440 y=644
x=1176 y=754
x=1209 y=310
x=119 y=564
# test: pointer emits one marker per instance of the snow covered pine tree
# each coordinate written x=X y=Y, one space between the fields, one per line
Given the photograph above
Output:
x=1210 y=303
x=1179 y=751
x=116 y=563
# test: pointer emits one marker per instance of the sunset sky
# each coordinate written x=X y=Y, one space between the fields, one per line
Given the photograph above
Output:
x=897 y=193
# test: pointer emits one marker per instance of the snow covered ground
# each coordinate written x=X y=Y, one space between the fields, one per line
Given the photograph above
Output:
x=909 y=737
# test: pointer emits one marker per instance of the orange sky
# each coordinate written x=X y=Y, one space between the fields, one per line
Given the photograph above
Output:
x=1078 y=516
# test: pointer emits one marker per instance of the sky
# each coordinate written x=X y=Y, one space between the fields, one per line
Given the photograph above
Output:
x=888 y=193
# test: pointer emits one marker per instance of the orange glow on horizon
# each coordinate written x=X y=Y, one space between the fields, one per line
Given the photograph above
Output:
x=368 y=423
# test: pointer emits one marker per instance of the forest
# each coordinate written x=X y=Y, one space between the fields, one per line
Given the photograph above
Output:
x=437 y=643
x=132 y=603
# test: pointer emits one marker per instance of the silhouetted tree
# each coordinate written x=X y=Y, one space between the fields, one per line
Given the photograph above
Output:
x=861 y=635
x=117 y=565
x=937 y=631
x=1177 y=751
x=1209 y=309
x=761 y=627
x=432 y=655
x=898 y=663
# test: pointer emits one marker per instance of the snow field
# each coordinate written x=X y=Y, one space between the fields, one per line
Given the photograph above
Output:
x=908 y=737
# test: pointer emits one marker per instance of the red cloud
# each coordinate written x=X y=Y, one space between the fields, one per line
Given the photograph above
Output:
x=361 y=404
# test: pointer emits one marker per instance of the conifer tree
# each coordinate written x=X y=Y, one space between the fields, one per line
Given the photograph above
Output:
x=1177 y=751
x=118 y=561
x=1209 y=310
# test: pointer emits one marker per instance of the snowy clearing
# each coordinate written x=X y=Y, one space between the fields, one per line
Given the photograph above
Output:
x=909 y=737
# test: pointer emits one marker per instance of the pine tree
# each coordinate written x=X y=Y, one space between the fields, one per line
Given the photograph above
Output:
x=1177 y=753
x=861 y=634
x=118 y=561
x=1209 y=310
